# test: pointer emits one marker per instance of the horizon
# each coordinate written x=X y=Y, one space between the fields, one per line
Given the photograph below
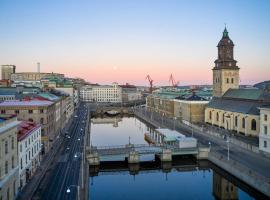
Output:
x=104 y=42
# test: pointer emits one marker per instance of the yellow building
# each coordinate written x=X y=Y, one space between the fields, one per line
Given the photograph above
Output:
x=233 y=108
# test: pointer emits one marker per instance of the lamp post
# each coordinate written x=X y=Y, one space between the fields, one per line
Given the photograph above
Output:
x=228 y=147
x=174 y=122
x=78 y=190
x=209 y=145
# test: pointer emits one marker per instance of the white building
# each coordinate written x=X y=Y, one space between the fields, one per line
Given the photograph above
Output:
x=101 y=93
x=264 y=136
x=29 y=148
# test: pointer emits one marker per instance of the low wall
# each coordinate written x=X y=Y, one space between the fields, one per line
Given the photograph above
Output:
x=242 y=172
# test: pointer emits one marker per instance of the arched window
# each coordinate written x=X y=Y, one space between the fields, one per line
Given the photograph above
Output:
x=253 y=125
x=243 y=123
x=210 y=115
x=217 y=116
x=223 y=118
x=235 y=121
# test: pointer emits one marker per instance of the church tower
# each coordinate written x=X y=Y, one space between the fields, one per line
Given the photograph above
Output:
x=225 y=72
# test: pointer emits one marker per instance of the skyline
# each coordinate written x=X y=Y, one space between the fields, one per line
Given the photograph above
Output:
x=124 y=41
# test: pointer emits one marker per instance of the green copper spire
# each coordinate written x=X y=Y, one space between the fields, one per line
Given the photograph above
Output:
x=225 y=32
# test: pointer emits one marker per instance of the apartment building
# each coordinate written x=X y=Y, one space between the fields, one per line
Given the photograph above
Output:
x=7 y=70
x=101 y=93
x=39 y=111
x=264 y=136
x=9 y=171
x=29 y=149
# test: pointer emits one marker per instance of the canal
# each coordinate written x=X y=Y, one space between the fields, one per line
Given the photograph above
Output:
x=184 y=179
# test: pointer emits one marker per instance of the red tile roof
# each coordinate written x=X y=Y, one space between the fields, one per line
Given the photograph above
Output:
x=26 y=128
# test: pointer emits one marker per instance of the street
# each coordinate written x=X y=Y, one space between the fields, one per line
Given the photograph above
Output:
x=62 y=178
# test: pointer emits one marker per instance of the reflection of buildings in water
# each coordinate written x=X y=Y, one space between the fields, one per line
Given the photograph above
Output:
x=223 y=189
x=108 y=120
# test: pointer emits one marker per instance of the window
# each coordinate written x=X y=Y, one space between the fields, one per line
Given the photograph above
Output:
x=3 y=111
x=217 y=117
x=253 y=125
x=265 y=130
x=265 y=117
x=12 y=162
x=6 y=167
x=20 y=147
x=17 y=111
x=243 y=123
x=232 y=80
x=21 y=163
x=25 y=158
x=41 y=111
x=41 y=120
x=235 y=121
x=228 y=80
x=12 y=143
x=6 y=147
x=30 y=111
x=265 y=144
x=210 y=115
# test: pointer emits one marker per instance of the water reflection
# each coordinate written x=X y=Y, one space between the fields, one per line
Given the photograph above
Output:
x=183 y=178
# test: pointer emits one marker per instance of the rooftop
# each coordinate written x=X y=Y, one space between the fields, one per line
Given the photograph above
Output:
x=26 y=103
x=26 y=128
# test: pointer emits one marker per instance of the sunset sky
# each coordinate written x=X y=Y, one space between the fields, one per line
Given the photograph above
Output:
x=120 y=40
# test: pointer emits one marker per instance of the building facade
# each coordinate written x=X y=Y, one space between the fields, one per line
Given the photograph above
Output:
x=233 y=108
x=264 y=137
x=9 y=171
x=39 y=111
x=7 y=70
x=105 y=93
x=32 y=76
x=29 y=149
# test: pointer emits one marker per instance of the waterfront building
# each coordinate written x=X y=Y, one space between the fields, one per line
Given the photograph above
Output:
x=264 y=136
x=32 y=76
x=29 y=149
x=9 y=171
x=39 y=111
x=185 y=108
x=7 y=70
x=233 y=108
x=101 y=93
x=130 y=93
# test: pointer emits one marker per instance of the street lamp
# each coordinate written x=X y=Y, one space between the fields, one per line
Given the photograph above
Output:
x=209 y=145
x=174 y=122
x=78 y=190
x=162 y=118
x=228 y=147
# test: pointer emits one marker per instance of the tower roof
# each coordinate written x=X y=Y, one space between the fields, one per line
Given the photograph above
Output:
x=225 y=40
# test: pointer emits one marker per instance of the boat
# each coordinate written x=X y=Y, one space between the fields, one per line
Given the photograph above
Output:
x=148 y=139
x=112 y=112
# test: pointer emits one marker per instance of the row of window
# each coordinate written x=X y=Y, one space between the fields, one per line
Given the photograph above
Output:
x=7 y=166
x=8 y=146
x=253 y=121
x=28 y=156
x=32 y=138
x=18 y=111
x=8 y=195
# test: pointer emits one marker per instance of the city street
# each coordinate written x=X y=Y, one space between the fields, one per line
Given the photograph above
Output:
x=62 y=178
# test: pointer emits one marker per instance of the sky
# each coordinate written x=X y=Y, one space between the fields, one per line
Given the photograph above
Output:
x=104 y=41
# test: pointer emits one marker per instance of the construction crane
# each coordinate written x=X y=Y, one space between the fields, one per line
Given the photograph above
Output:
x=150 y=82
x=173 y=82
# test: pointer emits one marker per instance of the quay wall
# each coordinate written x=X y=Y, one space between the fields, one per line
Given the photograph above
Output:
x=243 y=173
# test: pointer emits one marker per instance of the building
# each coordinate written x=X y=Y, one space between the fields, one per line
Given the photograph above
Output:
x=264 y=137
x=17 y=93
x=29 y=149
x=184 y=108
x=9 y=171
x=32 y=76
x=38 y=111
x=233 y=108
x=5 y=83
x=225 y=72
x=101 y=93
x=130 y=93
x=7 y=70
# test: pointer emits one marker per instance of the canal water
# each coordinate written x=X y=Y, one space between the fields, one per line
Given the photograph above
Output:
x=179 y=182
